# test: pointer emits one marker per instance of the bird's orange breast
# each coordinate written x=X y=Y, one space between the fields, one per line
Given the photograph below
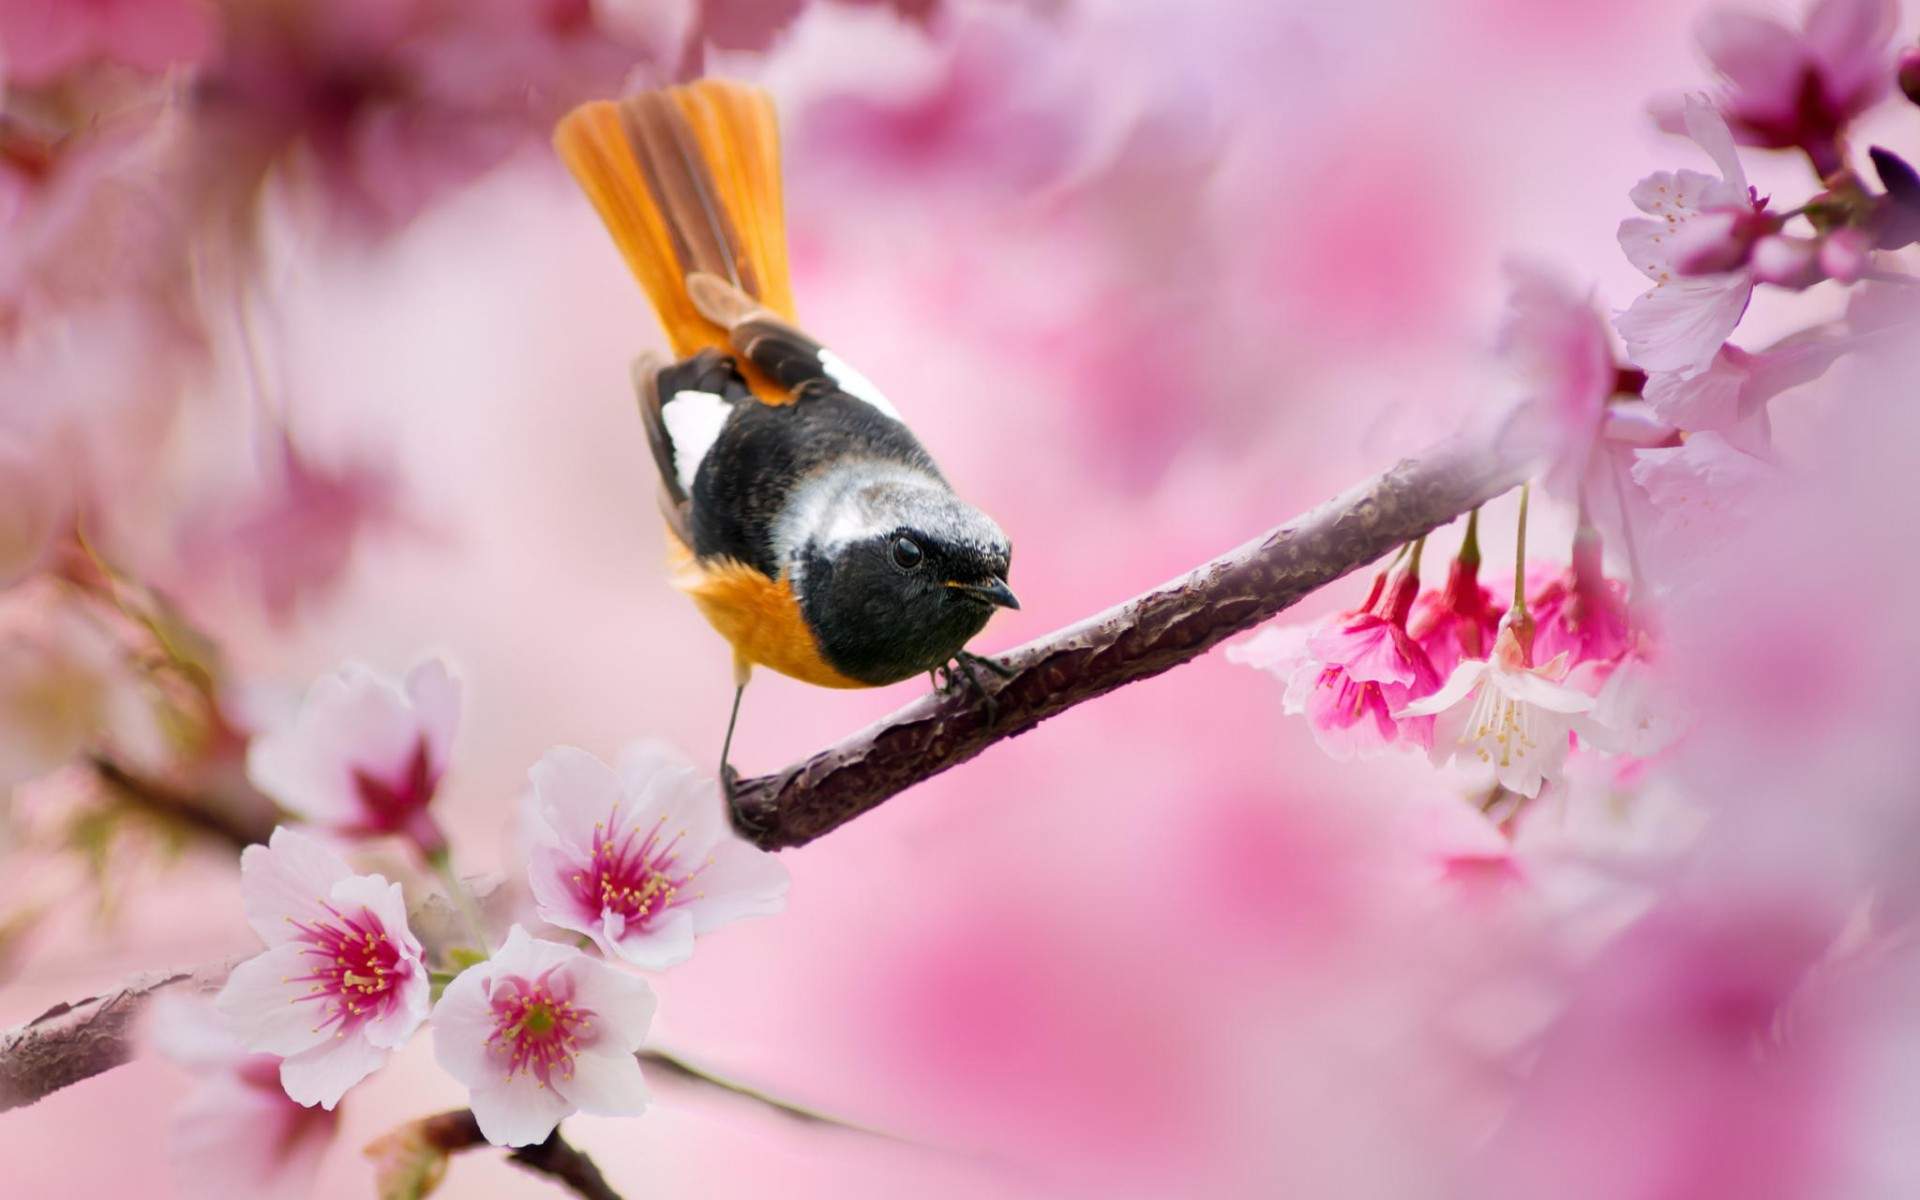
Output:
x=759 y=617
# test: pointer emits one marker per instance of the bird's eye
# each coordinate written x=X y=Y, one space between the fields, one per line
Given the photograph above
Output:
x=907 y=553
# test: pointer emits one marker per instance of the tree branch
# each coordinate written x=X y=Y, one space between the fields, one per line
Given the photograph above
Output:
x=451 y=1132
x=79 y=1039
x=1136 y=640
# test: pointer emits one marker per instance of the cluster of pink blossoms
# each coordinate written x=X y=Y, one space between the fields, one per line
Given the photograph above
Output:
x=633 y=863
x=1662 y=450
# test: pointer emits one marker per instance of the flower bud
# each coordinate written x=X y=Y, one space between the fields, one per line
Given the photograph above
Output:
x=1908 y=73
x=1788 y=262
x=1845 y=254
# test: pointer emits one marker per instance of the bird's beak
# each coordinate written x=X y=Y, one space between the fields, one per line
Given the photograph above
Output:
x=994 y=592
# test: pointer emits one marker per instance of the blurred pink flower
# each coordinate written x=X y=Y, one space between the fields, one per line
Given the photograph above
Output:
x=295 y=540
x=377 y=107
x=364 y=757
x=539 y=1031
x=1557 y=344
x=1800 y=88
x=1636 y=711
x=1509 y=714
x=1681 y=323
x=239 y=1133
x=1581 y=614
x=644 y=860
x=1734 y=389
x=1688 y=1064
x=1005 y=110
x=746 y=24
x=1457 y=621
x=92 y=214
x=341 y=985
x=1704 y=491
x=43 y=39
x=1352 y=675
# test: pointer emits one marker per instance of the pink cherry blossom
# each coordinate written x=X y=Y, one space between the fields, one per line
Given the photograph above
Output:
x=1351 y=674
x=539 y=1031
x=1681 y=323
x=1800 y=88
x=1704 y=491
x=1734 y=389
x=1457 y=621
x=1581 y=614
x=643 y=860
x=341 y=985
x=364 y=757
x=1557 y=344
x=44 y=39
x=1516 y=718
x=238 y=1133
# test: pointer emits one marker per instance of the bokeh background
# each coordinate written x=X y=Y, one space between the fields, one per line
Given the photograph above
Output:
x=1148 y=276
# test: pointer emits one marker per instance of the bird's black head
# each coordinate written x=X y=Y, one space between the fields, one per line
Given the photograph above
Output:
x=889 y=605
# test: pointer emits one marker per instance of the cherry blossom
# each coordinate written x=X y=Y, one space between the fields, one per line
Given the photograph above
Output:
x=1557 y=344
x=1703 y=491
x=1508 y=714
x=539 y=1031
x=1459 y=620
x=1681 y=323
x=238 y=1133
x=643 y=860
x=1351 y=675
x=1733 y=391
x=341 y=985
x=1581 y=614
x=363 y=757
x=1799 y=88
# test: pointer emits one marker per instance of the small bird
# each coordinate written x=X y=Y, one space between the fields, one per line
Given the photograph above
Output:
x=803 y=517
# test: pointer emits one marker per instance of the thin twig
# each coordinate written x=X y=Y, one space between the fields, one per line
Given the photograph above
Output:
x=453 y=1132
x=1139 y=639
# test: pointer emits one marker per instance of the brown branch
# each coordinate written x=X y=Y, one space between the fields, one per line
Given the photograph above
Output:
x=433 y=1138
x=1143 y=637
x=79 y=1039
x=224 y=823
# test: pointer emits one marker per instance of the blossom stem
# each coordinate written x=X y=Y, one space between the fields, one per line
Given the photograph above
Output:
x=1469 y=555
x=1520 y=559
x=442 y=860
x=1413 y=564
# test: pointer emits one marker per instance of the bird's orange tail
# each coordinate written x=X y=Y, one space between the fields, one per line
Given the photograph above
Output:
x=688 y=179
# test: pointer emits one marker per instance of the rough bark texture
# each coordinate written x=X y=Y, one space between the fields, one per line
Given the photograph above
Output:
x=79 y=1039
x=1141 y=638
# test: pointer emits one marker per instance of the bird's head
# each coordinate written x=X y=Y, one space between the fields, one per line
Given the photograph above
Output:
x=906 y=579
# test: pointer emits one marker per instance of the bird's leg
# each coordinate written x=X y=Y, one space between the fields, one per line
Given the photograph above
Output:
x=962 y=668
x=729 y=776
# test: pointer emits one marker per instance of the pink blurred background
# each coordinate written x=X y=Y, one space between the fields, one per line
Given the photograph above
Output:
x=1148 y=278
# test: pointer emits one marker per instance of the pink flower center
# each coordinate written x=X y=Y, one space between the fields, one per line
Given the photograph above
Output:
x=534 y=1028
x=357 y=971
x=632 y=875
x=399 y=805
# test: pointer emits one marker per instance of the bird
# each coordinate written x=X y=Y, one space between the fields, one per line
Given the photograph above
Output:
x=804 y=519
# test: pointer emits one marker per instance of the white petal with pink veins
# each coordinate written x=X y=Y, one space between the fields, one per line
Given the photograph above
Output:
x=289 y=879
x=323 y=1075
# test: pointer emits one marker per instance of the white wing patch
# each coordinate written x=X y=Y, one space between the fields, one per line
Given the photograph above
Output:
x=854 y=384
x=693 y=421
